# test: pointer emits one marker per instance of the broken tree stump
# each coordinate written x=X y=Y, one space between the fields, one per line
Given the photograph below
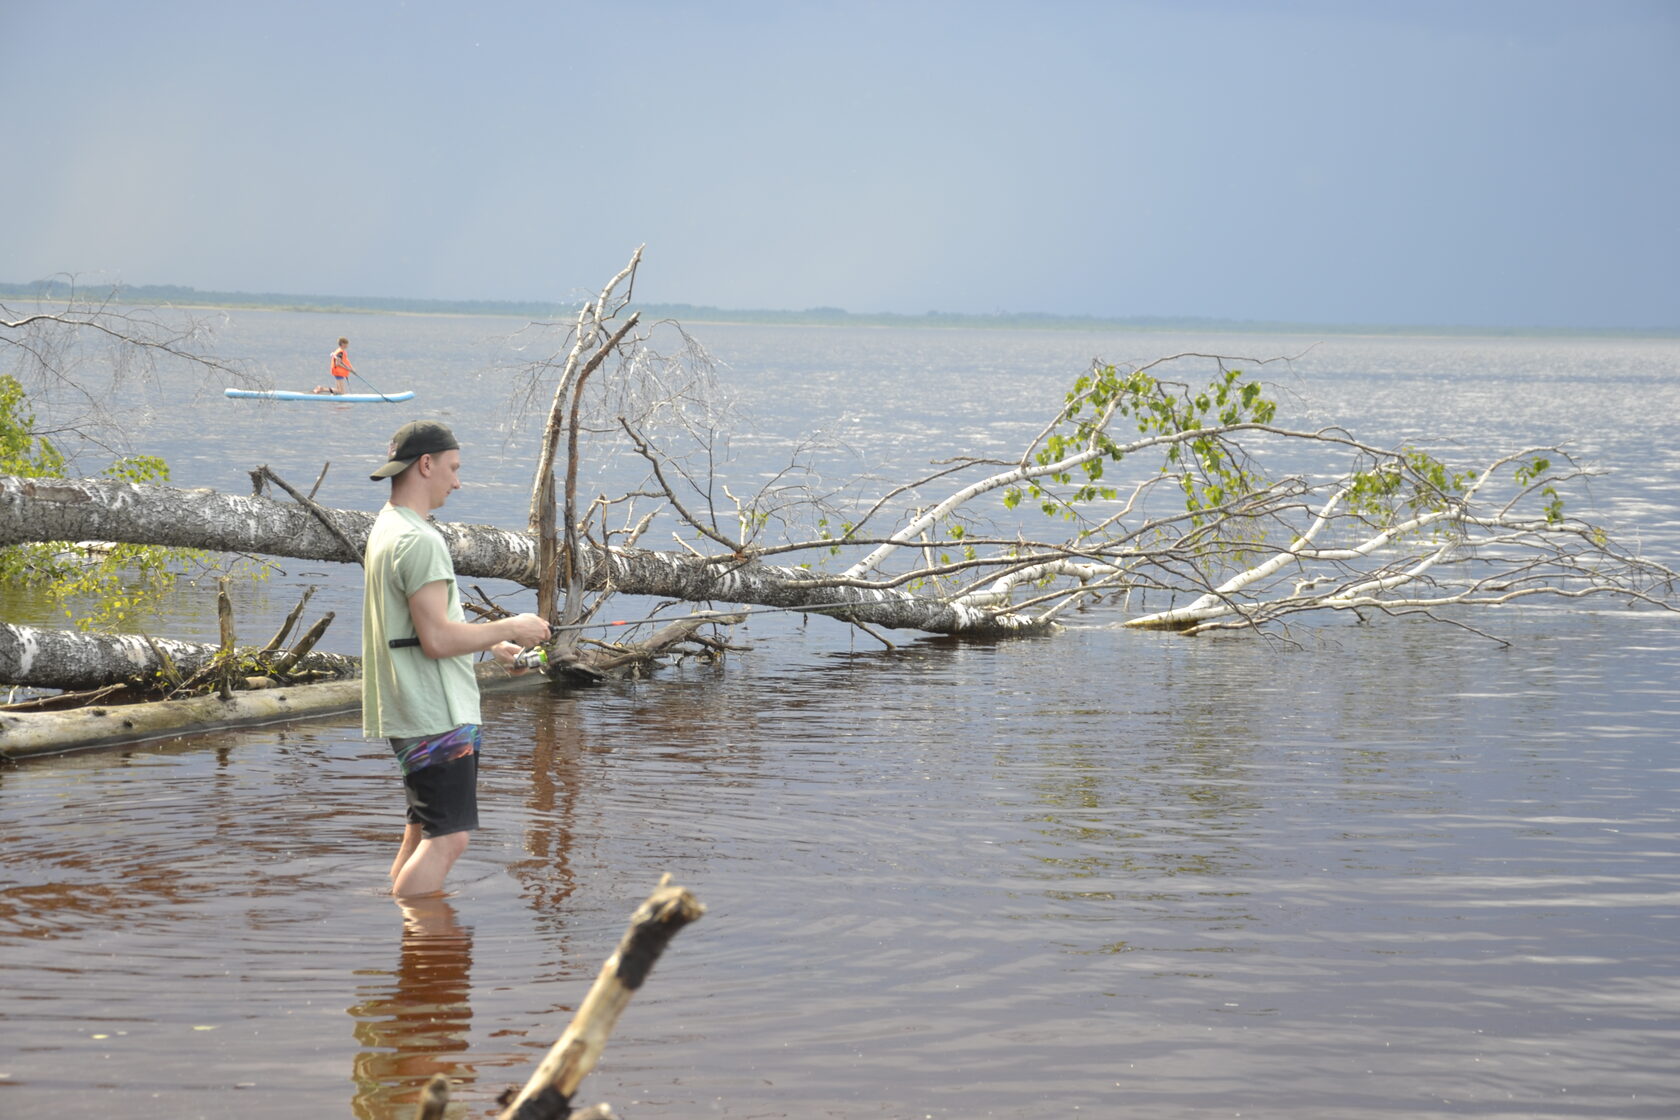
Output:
x=547 y=1095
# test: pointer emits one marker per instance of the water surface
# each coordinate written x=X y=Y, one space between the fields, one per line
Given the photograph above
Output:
x=1377 y=871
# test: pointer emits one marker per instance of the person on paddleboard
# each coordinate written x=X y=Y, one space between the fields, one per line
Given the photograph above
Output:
x=419 y=688
x=341 y=370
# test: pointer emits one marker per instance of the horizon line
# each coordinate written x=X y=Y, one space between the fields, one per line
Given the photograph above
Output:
x=56 y=289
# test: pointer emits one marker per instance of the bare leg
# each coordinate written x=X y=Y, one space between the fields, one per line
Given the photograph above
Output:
x=425 y=870
x=410 y=841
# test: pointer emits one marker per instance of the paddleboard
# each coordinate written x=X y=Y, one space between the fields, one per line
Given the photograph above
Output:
x=341 y=398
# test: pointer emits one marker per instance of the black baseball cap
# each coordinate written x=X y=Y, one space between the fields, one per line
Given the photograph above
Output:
x=414 y=439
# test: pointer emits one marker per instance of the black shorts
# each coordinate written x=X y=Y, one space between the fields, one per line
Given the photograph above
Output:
x=443 y=798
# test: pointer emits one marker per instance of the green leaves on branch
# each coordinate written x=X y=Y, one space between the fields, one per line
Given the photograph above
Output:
x=1195 y=431
x=956 y=532
x=1528 y=472
x=22 y=452
x=117 y=583
x=825 y=532
x=1207 y=467
x=1416 y=484
x=1410 y=486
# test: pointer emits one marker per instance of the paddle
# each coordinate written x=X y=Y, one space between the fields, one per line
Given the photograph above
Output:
x=375 y=389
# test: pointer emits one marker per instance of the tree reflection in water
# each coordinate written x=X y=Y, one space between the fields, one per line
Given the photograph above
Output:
x=413 y=1023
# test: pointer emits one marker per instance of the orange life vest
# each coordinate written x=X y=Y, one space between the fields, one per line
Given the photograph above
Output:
x=341 y=367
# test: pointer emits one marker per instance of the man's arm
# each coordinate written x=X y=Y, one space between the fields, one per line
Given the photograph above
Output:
x=440 y=636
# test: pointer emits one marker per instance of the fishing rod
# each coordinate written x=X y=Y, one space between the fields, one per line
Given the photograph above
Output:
x=705 y=616
x=537 y=656
x=697 y=616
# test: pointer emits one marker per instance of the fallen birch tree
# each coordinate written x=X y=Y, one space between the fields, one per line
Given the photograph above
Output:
x=1149 y=501
x=103 y=509
x=1393 y=532
x=1173 y=504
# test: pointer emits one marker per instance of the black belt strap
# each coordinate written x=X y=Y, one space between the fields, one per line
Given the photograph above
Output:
x=400 y=643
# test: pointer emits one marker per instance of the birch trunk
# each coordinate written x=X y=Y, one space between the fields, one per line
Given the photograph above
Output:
x=70 y=660
x=102 y=509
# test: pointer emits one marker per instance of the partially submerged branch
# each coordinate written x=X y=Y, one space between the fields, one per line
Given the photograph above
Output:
x=1375 y=528
x=548 y=1093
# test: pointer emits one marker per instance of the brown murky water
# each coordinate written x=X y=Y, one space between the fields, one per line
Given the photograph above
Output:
x=1393 y=873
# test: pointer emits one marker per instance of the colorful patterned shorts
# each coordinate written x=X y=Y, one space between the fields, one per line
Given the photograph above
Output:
x=440 y=777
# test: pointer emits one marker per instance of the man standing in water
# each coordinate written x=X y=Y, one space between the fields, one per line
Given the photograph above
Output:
x=419 y=689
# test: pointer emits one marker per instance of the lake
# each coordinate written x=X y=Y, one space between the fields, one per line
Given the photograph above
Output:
x=1390 y=870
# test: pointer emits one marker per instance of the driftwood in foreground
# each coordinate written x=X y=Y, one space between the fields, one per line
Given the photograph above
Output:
x=548 y=1093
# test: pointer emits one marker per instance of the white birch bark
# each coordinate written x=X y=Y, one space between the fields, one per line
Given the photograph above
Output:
x=102 y=509
x=66 y=659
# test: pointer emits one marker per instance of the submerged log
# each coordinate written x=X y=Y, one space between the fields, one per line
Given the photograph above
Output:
x=36 y=730
x=27 y=734
x=32 y=734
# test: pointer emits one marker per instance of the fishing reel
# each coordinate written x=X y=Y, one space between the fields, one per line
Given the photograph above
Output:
x=534 y=658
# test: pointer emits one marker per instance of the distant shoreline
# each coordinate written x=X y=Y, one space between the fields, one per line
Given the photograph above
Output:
x=191 y=298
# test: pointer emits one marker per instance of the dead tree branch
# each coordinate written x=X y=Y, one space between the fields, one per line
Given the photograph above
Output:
x=547 y=1094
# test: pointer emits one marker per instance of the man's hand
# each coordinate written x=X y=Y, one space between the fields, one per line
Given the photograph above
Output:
x=527 y=629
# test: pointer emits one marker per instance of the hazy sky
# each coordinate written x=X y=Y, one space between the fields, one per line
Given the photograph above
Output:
x=1484 y=162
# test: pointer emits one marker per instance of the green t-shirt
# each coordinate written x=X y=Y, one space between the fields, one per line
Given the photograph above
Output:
x=406 y=694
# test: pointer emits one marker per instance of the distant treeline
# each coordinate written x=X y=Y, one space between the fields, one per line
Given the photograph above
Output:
x=59 y=290
x=178 y=295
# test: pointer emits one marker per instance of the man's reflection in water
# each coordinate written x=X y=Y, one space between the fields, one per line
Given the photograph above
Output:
x=414 y=1024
